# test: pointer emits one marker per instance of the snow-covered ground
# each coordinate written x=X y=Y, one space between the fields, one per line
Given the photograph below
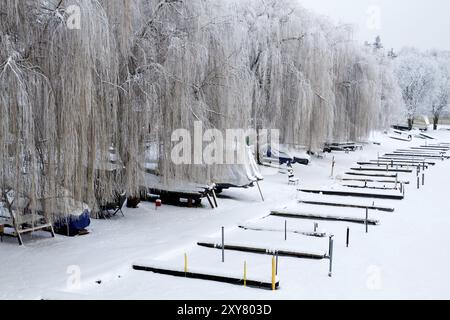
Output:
x=406 y=256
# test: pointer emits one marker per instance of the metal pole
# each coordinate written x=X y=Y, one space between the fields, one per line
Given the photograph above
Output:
x=185 y=264
x=245 y=273
x=367 y=220
x=396 y=181
x=330 y=256
x=423 y=178
x=276 y=271
x=418 y=182
x=273 y=274
x=285 y=230
x=260 y=192
x=332 y=167
x=223 y=244
x=348 y=237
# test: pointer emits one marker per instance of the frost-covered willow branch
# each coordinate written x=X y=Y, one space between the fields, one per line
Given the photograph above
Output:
x=138 y=70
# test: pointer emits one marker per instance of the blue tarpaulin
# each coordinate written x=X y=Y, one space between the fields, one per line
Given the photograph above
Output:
x=75 y=223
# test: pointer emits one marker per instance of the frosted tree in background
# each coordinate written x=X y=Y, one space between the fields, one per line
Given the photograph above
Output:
x=425 y=81
x=440 y=95
x=415 y=73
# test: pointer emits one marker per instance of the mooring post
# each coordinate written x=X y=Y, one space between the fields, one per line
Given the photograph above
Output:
x=424 y=165
x=276 y=271
x=423 y=178
x=396 y=180
x=418 y=182
x=273 y=273
x=330 y=255
x=185 y=264
x=223 y=244
x=392 y=163
x=285 y=230
x=316 y=226
x=245 y=273
x=367 y=220
x=333 y=163
x=348 y=236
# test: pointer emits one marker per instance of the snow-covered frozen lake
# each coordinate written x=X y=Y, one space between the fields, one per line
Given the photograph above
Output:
x=407 y=256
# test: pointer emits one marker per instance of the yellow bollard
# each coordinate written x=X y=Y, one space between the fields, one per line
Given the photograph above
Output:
x=185 y=263
x=245 y=273
x=273 y=273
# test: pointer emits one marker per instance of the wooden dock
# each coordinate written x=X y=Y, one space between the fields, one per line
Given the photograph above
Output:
x=266 y=251
x=208 y=277
x=347 y=205
x=355 y=194
x=297 y=215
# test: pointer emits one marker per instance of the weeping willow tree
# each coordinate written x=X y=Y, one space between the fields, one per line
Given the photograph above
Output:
x=55 y=100
x=311 y=79
x=138 y=70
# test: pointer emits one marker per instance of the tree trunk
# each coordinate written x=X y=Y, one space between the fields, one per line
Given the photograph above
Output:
x=410 y=123
x=258 y=156
x=435 y=122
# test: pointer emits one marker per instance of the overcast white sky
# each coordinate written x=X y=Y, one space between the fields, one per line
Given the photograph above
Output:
x=421 y=23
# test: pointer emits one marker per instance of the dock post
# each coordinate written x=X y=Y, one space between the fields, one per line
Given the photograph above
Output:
x=348 y=236
x=330 y=255
x=223 y=244
x=333 y=163
x=185 y=264
x=423 y=178
x=285 y=230
x=276 y=270
x=367 y=220
x=245 y=273
x=273 y=273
